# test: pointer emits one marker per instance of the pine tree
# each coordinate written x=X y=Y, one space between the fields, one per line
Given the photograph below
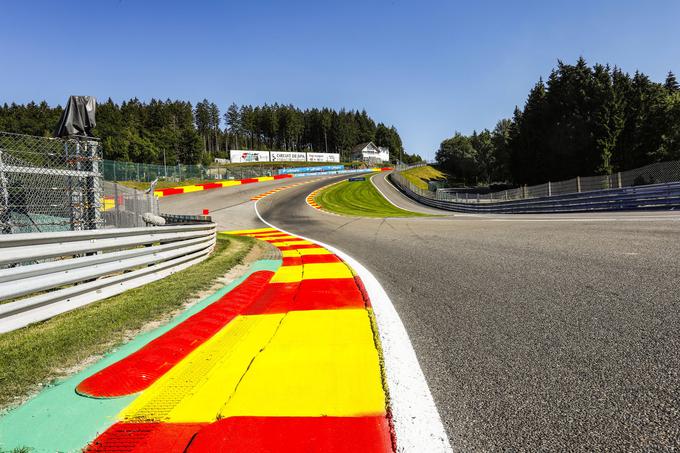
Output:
x=671 y=83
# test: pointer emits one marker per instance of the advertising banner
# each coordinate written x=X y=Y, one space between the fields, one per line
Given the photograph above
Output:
x=323 y=157
x=313 y=169
x=238 y=156
x=286 y=156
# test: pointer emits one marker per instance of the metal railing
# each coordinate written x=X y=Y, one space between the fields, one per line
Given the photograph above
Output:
x=646 y=197
x=46 y=274
x=660 y=172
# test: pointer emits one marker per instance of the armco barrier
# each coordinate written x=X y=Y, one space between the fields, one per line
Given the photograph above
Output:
x=70 y=269
x=649 y=197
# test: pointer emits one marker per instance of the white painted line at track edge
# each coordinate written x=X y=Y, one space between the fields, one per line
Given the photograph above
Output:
x=417 y=424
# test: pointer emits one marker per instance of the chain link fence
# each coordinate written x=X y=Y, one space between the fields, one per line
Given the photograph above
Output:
x=55 y=184
x=133 y=171
x=49 y=184
x=123 y=207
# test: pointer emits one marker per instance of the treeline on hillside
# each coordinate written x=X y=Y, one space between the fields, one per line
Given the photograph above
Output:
x=583 y=121
x=141 y=132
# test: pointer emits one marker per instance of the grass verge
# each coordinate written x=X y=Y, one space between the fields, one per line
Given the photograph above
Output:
x=421 y=175
x=359 y=198
x=44 y=352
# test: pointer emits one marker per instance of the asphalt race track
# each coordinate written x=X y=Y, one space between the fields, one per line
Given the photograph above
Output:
x=555 y=332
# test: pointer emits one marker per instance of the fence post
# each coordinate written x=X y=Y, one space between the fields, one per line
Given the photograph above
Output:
x=578 y=184
x=618 y=177
x=549 y=189
x=93 y=186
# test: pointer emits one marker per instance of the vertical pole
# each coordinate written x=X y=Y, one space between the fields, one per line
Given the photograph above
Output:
x=549 y=189
x=116 y=204
x=578 y=184
x=93 y=185
x=618 y=177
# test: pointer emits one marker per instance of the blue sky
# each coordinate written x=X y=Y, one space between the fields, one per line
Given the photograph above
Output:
x=428 y=67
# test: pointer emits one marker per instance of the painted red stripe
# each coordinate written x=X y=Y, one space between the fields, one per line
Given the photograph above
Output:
x=276 y=298
x=292 y=261
x=248 y=180
x=312 y=259
x=140 y=369
x=145 y=437
x=210 y=185
x=172 y=191
x=328 y=294
x=362 y=289
x=283 y=176
x=265 y=234
x=297 y=247
x=295 y=434
x=324 y=294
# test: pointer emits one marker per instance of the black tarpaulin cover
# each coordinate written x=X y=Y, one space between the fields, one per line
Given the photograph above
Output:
x=78 y=117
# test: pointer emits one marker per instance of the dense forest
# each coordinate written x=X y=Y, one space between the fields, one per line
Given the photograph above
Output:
x=582 y=121
x=143 y=132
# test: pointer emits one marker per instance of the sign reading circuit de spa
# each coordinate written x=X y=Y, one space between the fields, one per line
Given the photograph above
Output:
x=240 y=155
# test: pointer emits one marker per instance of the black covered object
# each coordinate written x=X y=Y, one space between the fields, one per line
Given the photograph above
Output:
x=78 y=117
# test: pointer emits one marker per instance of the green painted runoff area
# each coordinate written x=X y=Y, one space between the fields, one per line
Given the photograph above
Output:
x=359 y=198
x=58 y=419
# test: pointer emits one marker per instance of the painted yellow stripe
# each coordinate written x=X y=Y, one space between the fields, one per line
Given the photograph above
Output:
x=326 y=270
x=197 y=387
x=307 y=363
x=158 y=193
x=287 y=274
x=315 y=271
x=230 y=183
x=265 y=178
x=279 y=238
x=188 y=189
x=270 y=234
x=256 y=230
x=287 y=243
x=302 y=252
x=319 y=363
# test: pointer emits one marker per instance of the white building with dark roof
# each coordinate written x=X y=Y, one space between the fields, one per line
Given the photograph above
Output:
x=370 y=153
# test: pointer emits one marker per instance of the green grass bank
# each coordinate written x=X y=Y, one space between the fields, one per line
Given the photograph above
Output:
x=419 y=176
x=359 y=198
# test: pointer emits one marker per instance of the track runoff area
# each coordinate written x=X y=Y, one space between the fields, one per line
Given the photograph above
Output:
x=303 y=353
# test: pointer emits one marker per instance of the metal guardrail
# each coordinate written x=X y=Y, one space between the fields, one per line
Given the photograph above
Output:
x=649 y=197
x=58 y=272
